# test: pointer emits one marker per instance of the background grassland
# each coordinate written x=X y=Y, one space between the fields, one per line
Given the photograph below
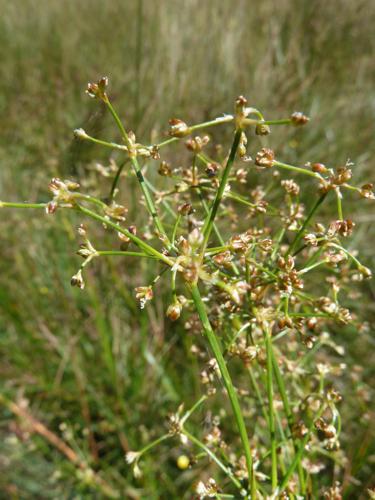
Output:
x=92 y=361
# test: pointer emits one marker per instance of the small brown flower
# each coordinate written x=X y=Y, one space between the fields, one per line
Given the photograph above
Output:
x=98 y=90
x=174 y=311
x=178 y=128
x=212 y=169
x=265 y=158
x=299 y=118
x=165 y=169
x=262 y=129
x=367 y=192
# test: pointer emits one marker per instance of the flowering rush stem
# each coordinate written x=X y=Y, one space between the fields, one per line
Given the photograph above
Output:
x=232 y=394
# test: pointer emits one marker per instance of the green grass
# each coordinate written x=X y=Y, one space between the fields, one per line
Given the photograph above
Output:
x=91 y=360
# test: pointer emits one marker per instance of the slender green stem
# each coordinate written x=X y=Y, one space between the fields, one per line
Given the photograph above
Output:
x=90 y=199
x=298 y=170
x=306 y=222
x=10 y=204
x=258 y=394
x=209 y=221
x=271 y=414
x=339 y=204
x=154 y=443
x=313 y=266
x=195 y=406
x=116 y=179
x=124 y=254
x=288 y=413
x=300 y=452
x=138 y=61
x=138 y=172
x=112 y=145
x=137 y=241
x=209 y=452
x=346 y=252
x=175 y=227
x=232 y=394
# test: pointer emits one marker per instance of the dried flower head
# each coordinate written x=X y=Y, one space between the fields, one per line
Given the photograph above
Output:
x=265 y=158
x=298 y=118
x=98 y=90
x=178 y=128
x=144 y=294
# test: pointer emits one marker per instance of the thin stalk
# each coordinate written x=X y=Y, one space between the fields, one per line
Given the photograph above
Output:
x=116 y=179
x=258 y=394
x=138 y=172
x=138 y=61
x=298 y=170
x=153 y=444
x=112 y=145
x=209 y=452
x=195 y=406
x=288 y=413
x=209 y=221
x=89 y=199
x=10 y=204
x=271 y=413
x=137 y=241
x=164 y=202
x=175 y=227
x=306 y=223
x=339 y=204
x=299 y=454
x=232 y=394
x=124 y=254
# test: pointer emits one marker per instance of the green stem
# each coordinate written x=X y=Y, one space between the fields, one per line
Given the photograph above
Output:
x=301 y=449
x=116 y=179
x=137 y=241
x=208 y=224
x=218 y=462
x=138 y=172
x=232 y=394
x=154 y=443
x=125 y=253
x=100 y=142
x=306 y=223
x=298 y=170
x=271 y=414
x=10 y=204
x=288 y=413
x=339 y=204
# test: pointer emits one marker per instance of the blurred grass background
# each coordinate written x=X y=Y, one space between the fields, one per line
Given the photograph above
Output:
x=89 y=365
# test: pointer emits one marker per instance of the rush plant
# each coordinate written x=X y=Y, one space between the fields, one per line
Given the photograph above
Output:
x=253 y=266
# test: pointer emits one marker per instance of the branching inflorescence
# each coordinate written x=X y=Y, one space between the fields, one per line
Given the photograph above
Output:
x=244 y=264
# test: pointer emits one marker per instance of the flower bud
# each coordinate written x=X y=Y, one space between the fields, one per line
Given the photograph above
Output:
x=185 y=209
x=174 y=311
x=77 y=280
x=165 y=169
x=212 y=169
x=178 y=128
x=298 y=118
x=97 y=90
x=262 y=129
x=265 y=158
x=317 y=167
